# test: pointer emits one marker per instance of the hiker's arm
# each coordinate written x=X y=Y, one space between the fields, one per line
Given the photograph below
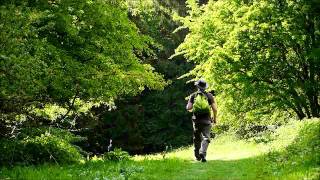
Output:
x=190 y=104
x=214 y=110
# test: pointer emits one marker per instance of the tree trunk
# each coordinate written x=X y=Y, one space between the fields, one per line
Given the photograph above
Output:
x=314 y=105
x=299 y=112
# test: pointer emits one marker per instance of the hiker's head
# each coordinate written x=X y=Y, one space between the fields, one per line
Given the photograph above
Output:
x=201 y=84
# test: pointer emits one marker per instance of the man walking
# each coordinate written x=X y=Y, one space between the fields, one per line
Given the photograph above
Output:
x=202 y=104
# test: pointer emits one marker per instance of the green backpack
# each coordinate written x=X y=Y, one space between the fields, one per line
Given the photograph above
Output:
x=201 y=104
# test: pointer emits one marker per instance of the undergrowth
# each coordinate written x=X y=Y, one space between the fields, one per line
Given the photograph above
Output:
x=290 y=152
x=40 y=145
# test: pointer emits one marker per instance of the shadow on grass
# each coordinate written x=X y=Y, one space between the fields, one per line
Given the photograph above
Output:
x=299 y=160
x=249 y=168
x=252 y=168
x=166 y=169
x=173 y=169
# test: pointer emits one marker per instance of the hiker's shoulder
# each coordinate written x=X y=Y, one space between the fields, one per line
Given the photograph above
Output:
x=194 y=94
x=191 y=96
x=211 y=95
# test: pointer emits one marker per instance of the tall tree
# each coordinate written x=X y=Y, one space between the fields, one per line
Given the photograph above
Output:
x=261 y=55
x=151 y=120
x=59 y=51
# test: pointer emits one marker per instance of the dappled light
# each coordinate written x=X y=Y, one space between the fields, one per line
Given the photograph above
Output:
x=160 y=89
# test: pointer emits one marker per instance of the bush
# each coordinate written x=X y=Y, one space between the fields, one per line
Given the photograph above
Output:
x=218 y=129
x=12 y=152
x=259 y=133
x=116 y=155
x=37 y=146
x=296 y=146
x=263 y=137
x=48 y=148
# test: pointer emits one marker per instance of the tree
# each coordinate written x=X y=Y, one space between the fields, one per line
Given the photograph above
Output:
x=153 y=119
x=54 y=52
x=261 y=55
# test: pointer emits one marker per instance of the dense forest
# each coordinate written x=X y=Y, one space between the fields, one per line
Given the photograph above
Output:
x=80 y=79
x=96 y=89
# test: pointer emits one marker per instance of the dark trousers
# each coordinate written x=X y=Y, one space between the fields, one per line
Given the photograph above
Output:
x=201 y=138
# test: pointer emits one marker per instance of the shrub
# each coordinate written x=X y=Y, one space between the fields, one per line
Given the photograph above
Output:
x=116 y=155
x=220 y=129
x=37 y=146
x=12 y=152
x=59 y=133
x=49 y=148
x=296 y=146
x=126 y=172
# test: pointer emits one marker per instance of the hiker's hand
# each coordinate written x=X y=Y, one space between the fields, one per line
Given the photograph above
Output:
x=214 y=120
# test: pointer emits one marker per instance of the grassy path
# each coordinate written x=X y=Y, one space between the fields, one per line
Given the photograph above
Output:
x=228 y=159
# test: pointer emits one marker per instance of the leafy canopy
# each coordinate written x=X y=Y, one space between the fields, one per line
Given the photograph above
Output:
x=55 y=51
x=261 y=56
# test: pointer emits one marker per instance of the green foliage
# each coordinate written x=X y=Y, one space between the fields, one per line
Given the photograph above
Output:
x=288 y=156
x=153 y=17
x=116 y=155
x=130 y=171
x=11 y=152
x=57 y=132
x=201 y=105
x=302 y=153
x=220 y=128
x=47 y=148
x=40 y=145
x=155 y=119
x=90 y=170
x=260 y=56
x=265 y=136
x=144 y=124
x=56 y=51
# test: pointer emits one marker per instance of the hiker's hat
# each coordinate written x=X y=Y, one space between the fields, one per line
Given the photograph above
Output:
x=201 y=84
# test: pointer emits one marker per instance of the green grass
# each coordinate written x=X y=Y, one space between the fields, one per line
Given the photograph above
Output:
x=293 y=154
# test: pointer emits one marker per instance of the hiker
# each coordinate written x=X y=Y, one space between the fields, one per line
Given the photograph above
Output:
x=204 y=108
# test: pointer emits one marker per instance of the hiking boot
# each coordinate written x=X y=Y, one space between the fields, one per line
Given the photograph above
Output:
x=203 y=159
x=198 y=158
x=196 y=154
